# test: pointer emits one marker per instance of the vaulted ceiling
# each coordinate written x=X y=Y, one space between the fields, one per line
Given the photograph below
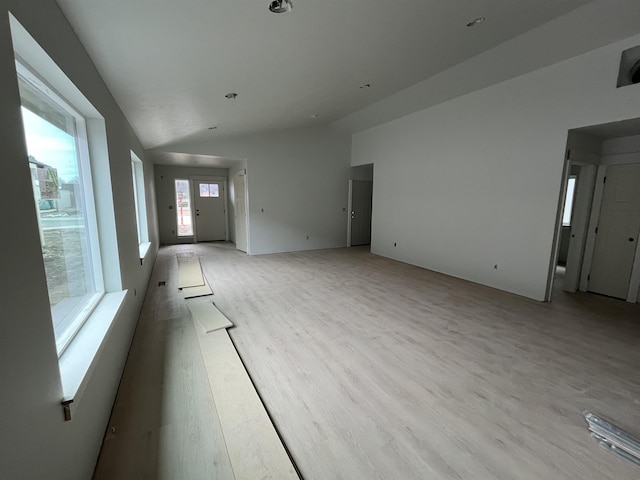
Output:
x=169 y=63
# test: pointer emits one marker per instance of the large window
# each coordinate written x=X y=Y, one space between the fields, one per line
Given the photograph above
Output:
x=183 y=208
x=139 y=201
x=63 y=197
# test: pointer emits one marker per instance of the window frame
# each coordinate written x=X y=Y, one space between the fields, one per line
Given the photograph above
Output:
x=140 y=203
x=81 y=311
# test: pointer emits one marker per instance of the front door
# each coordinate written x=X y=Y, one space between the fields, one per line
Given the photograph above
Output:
x=210 y=211
x=617 y=233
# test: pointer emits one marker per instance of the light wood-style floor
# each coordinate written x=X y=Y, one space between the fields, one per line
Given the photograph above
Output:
x=374 y=369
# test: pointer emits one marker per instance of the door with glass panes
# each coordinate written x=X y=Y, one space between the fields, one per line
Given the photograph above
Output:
x=210 y=210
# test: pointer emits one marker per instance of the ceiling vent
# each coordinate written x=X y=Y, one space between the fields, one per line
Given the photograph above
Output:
x=629 y=73
x=280 y=6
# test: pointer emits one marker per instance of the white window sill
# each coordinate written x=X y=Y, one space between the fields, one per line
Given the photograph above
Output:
x=81 y=356
x=143 y=249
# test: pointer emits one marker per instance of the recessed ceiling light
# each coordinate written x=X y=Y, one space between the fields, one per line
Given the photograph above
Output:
x=281 y=6
x=476 y=21
x=231 y=96
x=365 y=85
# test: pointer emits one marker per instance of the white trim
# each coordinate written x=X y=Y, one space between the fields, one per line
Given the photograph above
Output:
x=143 y=249
x=78 y=361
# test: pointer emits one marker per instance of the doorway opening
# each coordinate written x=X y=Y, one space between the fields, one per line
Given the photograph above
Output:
x=598 y=221
x=360 y=206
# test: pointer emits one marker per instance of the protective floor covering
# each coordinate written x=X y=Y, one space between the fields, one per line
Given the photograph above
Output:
x=189 y=271
x=254 y=448
x=208 y=316
x=200 y=291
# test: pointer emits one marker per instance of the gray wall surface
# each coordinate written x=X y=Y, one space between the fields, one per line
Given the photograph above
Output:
x=35 y=441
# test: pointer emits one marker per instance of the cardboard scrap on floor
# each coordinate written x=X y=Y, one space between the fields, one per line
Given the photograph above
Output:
x=200 y=291
x=189 y=272
x=208 y=316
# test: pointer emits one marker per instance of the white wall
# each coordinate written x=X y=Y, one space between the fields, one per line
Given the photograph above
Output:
x=298 y=183
x=616 y=151
x=475 y=182
x=35 y=441
x=165 y=177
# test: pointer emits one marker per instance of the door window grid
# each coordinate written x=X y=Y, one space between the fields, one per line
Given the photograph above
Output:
x=209 y=190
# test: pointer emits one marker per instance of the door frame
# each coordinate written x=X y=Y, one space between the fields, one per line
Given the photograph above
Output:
x=573 y=156
x=214 y=179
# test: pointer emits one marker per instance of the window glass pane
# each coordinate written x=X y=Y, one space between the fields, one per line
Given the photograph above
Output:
x=58 y=174
x=183 y=204
x=204 y=190
x=568 y=202
x=139 y=199
x=213 y=188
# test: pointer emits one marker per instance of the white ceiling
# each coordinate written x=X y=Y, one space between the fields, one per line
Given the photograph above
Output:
x=169 y=63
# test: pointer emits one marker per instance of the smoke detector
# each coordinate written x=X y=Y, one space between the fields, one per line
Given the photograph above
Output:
x=280 y=6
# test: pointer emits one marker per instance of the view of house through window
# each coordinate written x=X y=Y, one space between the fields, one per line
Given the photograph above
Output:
x=183 y=208
x=60 y=172
x=568 y=202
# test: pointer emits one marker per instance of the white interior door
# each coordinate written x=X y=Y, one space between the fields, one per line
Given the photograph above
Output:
x=617 y=233
x=241 y=212
x=361 y=195
x=210 y=210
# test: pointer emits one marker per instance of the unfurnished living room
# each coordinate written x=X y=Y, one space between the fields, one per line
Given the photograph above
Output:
x=293 y=239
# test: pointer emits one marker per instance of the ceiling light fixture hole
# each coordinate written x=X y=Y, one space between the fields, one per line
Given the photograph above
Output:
x=280 y=6
x=476 y=21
